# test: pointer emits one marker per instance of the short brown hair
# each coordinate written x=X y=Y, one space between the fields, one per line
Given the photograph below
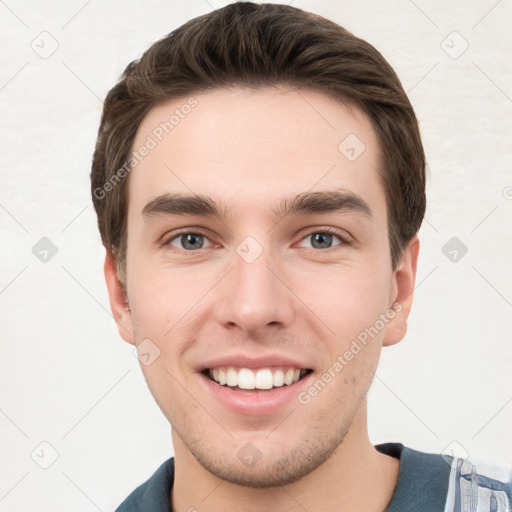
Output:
x=250 y=45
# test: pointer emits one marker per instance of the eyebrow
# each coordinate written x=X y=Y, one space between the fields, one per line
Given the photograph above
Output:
x=306 y=203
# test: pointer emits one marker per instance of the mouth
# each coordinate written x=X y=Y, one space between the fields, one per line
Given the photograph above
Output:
x=256 y=380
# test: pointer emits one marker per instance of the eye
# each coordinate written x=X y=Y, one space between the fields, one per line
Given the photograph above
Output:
x=189 y=241
x=325 y=239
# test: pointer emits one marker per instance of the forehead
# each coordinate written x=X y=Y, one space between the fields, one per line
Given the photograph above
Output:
x=251 y=147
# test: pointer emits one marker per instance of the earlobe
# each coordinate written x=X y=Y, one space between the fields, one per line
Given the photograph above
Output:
x=118 y=300
x=405 y=278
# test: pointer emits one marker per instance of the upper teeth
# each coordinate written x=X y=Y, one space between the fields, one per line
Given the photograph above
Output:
x=263 y=378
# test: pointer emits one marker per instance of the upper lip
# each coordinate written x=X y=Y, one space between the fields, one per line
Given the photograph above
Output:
x=251 y=362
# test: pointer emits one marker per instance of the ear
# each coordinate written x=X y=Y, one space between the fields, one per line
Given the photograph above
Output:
x=118 y=300
x=403 y=289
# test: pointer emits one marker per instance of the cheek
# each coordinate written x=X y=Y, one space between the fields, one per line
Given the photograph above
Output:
x=346 y=299
x=160 y=298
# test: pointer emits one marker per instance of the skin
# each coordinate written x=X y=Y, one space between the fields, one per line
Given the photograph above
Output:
x=248 y=149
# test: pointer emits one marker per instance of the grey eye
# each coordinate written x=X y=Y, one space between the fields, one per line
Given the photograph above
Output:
x=322 y=240
x=189 y=241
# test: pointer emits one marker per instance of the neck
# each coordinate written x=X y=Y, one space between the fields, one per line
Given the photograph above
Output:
x=341 y=483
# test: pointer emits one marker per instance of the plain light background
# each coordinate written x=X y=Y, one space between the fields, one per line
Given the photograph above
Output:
x=67 y=380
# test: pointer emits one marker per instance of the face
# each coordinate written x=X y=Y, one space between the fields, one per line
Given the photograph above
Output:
x=257 y=260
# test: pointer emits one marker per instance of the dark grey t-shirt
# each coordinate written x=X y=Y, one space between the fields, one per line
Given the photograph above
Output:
x=426 y=483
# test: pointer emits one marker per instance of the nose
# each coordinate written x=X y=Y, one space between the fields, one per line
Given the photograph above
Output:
x=254 y=295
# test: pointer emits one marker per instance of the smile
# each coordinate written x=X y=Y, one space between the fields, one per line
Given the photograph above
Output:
x=261 y=378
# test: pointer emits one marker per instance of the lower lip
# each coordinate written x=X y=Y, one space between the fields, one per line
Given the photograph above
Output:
x=256 y=403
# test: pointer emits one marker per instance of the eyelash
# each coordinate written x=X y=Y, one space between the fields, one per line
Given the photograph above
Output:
x=344 y=238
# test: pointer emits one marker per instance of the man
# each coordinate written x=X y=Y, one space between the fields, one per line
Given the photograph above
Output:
x=259 y=180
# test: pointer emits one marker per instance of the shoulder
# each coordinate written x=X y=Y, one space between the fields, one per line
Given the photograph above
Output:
x=153 y=494
x=422 y=481
x=479 y=486
x=438 y=482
